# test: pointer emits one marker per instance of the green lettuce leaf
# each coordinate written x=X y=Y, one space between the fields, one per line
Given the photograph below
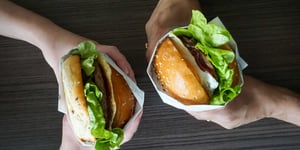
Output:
x=209 y=37
x=214 y=35
x=106 y=139
x=198 y=18
x=88 y=53
x=182 y=32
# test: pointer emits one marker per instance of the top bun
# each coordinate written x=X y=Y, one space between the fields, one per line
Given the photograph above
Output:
x=177 y=76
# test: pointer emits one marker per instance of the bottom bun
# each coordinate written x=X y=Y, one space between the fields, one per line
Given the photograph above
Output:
x=121 y=96
x=75 y=99
x=124 y=99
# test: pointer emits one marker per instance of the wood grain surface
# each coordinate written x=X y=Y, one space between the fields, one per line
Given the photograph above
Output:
x=268 y=36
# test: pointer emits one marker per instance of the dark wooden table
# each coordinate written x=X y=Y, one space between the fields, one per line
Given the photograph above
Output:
x=268 y=35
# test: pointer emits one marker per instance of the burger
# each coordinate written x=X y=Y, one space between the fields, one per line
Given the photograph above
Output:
x=98 y=98
x=197 y=65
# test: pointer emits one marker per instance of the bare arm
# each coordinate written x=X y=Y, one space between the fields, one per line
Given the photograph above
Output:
x=289 y=106
x=22 y=24
x=54 y=41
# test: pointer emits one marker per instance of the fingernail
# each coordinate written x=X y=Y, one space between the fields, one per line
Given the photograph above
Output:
x=126 y=70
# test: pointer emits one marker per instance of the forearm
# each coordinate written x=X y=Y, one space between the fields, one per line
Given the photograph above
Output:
x=267 y=100
x=288 y=106
x=19 y=23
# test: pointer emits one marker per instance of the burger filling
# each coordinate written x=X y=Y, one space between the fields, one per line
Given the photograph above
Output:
x=204 y=41
x=200 y=58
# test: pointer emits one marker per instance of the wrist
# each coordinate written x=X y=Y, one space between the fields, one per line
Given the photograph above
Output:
x=53 y=41
x=52 y=38
x=288 y=107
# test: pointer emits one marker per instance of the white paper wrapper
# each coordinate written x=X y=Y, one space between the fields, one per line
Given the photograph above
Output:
x=175 y=103
x=137 y=92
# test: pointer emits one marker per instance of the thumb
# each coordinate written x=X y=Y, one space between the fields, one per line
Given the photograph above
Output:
x=129 y=132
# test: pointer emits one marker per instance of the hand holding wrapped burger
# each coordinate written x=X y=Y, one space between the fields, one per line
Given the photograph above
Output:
x=99 y=100
x=196 y=64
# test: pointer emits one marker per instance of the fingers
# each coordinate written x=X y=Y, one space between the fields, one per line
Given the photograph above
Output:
x=69 y=140
x=119 y=59
x=220 y=116
x=132 y=129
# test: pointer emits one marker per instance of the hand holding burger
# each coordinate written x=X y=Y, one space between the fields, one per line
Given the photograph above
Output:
x=98 y=98
x=197 y=65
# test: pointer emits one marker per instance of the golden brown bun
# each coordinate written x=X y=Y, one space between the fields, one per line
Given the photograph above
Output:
x=124 y=98
x=75 y=99
x=120 y=102
x=177 y=77
x=121 y=95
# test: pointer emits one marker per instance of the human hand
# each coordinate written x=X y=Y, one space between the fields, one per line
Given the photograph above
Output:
x=256 y=101
x=58 y=45
x=69 y=140
x=167 y=15
x=129 y=132
x=54 y=42
x=114 y=53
